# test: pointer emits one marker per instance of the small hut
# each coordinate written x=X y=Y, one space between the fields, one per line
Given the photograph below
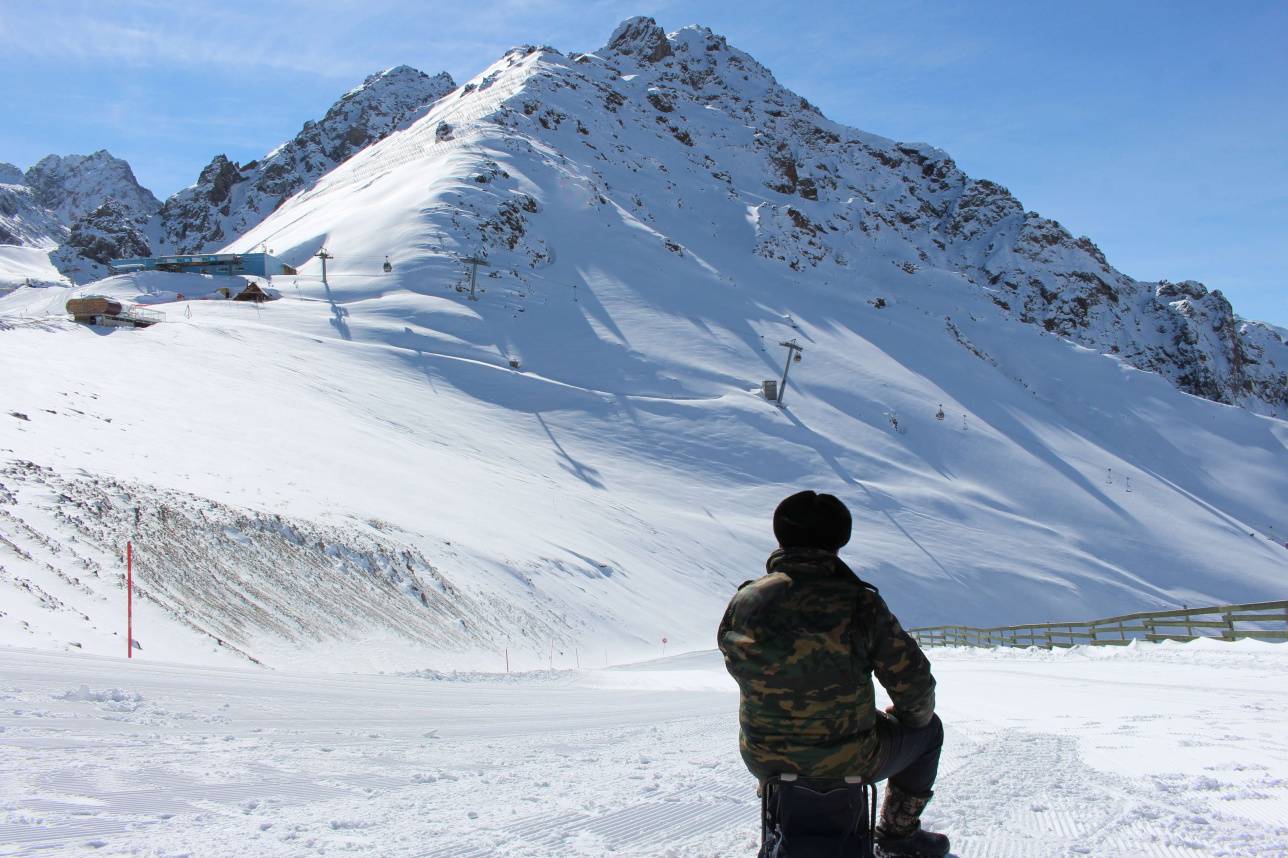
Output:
x=252 y=292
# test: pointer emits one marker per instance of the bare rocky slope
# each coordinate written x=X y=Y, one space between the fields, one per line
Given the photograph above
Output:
x=73 y=186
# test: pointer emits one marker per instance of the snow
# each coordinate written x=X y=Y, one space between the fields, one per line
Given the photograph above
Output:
x=1148 y=750
x=618 y=485
x=558 y=490
x=228 y=199
x=25 y=223
x=349 y=508
x=18 y=265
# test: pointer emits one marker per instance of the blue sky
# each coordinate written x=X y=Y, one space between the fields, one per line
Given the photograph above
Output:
x=1157 y=128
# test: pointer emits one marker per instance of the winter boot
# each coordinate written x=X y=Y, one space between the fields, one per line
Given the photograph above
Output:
x=899 y=833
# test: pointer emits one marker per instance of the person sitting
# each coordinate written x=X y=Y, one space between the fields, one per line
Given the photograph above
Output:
x=803 y=642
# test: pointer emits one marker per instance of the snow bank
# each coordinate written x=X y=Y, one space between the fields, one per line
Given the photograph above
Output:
x=1242 y=653
x=111 y=695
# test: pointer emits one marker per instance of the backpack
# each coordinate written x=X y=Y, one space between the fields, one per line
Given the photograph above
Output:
x=810 y=818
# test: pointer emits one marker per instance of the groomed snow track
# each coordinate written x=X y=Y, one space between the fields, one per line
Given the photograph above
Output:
x=1163 y=751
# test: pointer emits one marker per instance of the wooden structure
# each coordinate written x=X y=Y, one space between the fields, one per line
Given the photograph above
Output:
x=86 y=310
x=1266 y=621
x=252 y=292
x=110 y=313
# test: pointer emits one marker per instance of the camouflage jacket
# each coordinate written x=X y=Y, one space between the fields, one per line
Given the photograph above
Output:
x=803 y=642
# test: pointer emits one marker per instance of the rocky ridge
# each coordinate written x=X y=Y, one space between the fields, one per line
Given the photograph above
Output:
x=832 y=200
x=843 y=192
x=73 y=186
x=88 y=209
x=108 y=232
x=82 y=209
x=824 y=197
x=230 y=198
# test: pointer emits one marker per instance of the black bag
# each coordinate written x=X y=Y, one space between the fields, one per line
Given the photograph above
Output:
x=804 y=818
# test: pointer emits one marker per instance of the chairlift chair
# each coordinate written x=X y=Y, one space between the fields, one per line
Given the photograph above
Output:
x=388 y=266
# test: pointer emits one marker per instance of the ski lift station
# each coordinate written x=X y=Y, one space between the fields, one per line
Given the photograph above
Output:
x=249 y=264
x=111 y=313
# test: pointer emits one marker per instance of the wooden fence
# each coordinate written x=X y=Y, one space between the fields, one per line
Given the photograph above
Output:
x=1260 y=620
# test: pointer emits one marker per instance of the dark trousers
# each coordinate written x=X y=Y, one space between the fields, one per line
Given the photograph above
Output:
x=910 y=754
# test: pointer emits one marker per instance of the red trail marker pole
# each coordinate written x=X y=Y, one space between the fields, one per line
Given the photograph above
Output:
x=129 y=600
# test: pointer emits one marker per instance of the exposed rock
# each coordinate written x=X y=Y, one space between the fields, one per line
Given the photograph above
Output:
x=914 y=200
x=75 y=185
x=228 y=200
x=218 y=177
x=640 y=37
x=24 y=221
x=109 y=232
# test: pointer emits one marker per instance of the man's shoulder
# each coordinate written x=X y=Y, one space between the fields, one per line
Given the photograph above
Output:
x=871 y=607
x=767 y=586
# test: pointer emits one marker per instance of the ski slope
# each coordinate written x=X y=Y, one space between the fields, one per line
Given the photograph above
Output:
x=1151 y=750
x=593 y=514
x=596 y=497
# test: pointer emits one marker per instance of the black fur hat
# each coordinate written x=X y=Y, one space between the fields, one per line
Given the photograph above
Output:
x=811 y=520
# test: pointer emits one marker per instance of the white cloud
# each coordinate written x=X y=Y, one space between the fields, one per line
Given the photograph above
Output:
x=152 y=35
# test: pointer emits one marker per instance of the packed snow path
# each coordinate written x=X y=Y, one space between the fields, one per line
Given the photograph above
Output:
x=1149 y=751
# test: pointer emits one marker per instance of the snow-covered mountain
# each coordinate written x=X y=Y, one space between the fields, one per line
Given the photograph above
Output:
x=24 y=222
x=74 y=186
x=581 y=455
x=228 y=198
x=837 y=196
x=88 y=209
x=80 y=210
x=828 y=197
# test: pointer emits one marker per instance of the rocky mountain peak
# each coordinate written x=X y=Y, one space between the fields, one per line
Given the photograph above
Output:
x=699 y=119
x=218 y=177
x=10 y=175
x=640 y=37
x=228 y=199
x=686 y=116
x=74 y=185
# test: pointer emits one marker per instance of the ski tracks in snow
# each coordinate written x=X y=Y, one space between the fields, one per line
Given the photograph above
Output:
x=115 y=759
x=1028 y=795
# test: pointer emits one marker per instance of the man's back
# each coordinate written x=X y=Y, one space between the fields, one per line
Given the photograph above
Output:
x=803 y=642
